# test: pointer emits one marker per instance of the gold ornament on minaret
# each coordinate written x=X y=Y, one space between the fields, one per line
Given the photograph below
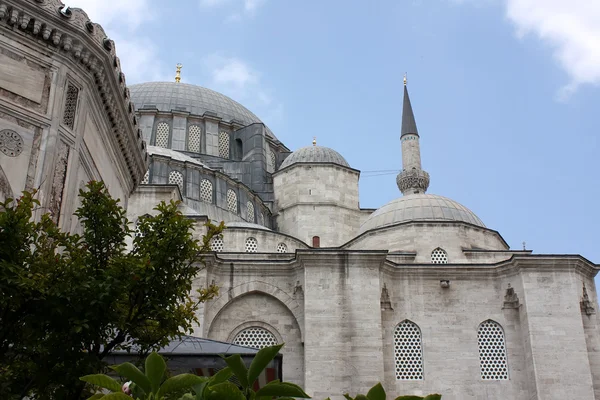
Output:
x=314 y=140
x=178 y=73
x=405 y=79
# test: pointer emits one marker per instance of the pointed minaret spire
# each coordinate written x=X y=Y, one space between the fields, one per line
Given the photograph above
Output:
x=412 y=179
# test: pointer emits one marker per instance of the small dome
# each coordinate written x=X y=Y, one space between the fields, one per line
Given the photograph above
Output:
x=197 y=100
x=420 y=207
x=315 y=154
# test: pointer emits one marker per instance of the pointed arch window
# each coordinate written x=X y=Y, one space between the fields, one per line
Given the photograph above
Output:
x=492 y=351
x=162 y=135
x=408 y=351
x=224 y=145
x=206 y=190
x=439 y=256
x=194 y=138
x=250 y=208
x=232 y=201
x=176 y=178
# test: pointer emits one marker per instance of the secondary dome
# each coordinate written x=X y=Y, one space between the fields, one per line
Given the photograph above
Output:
x=315 y=154
x=197 y=100
x=420 y=207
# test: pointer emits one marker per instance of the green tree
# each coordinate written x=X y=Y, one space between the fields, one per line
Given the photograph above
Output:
x=69 y=300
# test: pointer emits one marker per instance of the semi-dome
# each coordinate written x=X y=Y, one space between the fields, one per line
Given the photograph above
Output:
x=197 y=100
x=420 y=207
x=314 y=154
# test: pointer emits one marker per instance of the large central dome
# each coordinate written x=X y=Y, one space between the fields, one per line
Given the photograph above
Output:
x=197 y=100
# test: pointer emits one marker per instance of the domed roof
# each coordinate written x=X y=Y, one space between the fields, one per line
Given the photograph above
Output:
x=420 y=207
x=173 y=96
x=314 y=154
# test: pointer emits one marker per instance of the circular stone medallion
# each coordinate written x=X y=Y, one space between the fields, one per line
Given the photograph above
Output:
x=11 y=143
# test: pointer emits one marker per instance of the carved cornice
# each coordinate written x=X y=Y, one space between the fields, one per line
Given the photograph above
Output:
x=70 y=31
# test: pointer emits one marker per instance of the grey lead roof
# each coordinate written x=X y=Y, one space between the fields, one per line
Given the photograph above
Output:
x=197 y=100
x=315 y=154
x=408 y=118
x=420 y=207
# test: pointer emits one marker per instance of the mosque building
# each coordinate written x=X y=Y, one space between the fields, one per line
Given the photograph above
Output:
x=419 y=294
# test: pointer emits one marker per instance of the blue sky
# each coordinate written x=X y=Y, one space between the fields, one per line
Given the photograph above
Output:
x=505 y=92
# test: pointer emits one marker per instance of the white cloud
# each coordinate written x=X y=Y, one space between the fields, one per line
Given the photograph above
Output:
x=131 y=13
x=231 y=72
x=248 y=7
x=571 y=28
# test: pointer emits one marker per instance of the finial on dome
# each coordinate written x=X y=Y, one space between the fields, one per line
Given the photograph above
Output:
x=314 y=140
x=178 y=73
x=405 y=79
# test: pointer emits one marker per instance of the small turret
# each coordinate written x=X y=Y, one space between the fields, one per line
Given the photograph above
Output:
x=412 y=179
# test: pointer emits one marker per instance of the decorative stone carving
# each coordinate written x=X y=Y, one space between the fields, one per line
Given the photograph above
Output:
x=386 y=304
x=586 y=304
x=412 y=181
x=70 y=106
x=11 y=143
x=58 y=181
x=511 y=300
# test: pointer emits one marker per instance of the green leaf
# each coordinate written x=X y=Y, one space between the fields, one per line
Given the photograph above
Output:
x=433 y=397
x=116 y=396
x=225 y=391
x=155 y=370
x=180 y=382
x=220 y=376
x=104 y=381
x=132 y=373
x=187 y=396
x=361 y=397
x=261 y=360
x=347 y=396
x=238 y=368
x=96 y=396
x=282 y=389
x=376 y=393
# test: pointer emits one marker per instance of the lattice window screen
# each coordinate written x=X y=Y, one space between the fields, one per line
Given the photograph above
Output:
x=162 y=135
x=255 y=337
x=439 y=256
x=216 y=244
x=176 y=178
x=194 y=138
x=492 y=351
x=206 y=190
x=70 y=106
x=282 y=248
x=250 y=208
x=146 y=178
x=272 y=160
x=251 y=245
x=408 y=352
x=232 y=201
x=223 y=145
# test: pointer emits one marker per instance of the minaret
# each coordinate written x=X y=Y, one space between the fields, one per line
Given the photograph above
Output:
x=412 y=179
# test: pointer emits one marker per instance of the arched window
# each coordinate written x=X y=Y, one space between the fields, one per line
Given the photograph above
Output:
x=408 y=351
x=239 y=149
x=216 y=244
x=439 y=256
x=232 y=201
x=162 y=135
x=272 y=161
x=224 y=145
x=194 y=138
x=206 y=190
x=316 y=242
x=146 y=178
x=176 y=178
x=250 y=208
x=251 y=245
x=492 y=351
x=255 y=337
x=282 y=248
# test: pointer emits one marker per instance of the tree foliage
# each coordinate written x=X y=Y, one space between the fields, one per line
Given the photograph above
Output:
x=68 y=300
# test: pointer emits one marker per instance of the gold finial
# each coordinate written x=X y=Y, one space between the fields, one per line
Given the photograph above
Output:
x=178 y=73
x=314 y=140
x=405 y=79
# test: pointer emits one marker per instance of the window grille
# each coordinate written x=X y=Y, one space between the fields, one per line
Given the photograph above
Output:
x=146 y=178
x=232 y=201
x=176 y=178
x=282 y=248
x=251 y=245
x=255 y=337
x=408 y=351
x=250 y=208
x=439 y=256
x=206 y=190
x=70 y=106
x=224 y=145
x=272 y=160
x=162 y=135
x=216 y=244
x=492 y=351
x=194 y=138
